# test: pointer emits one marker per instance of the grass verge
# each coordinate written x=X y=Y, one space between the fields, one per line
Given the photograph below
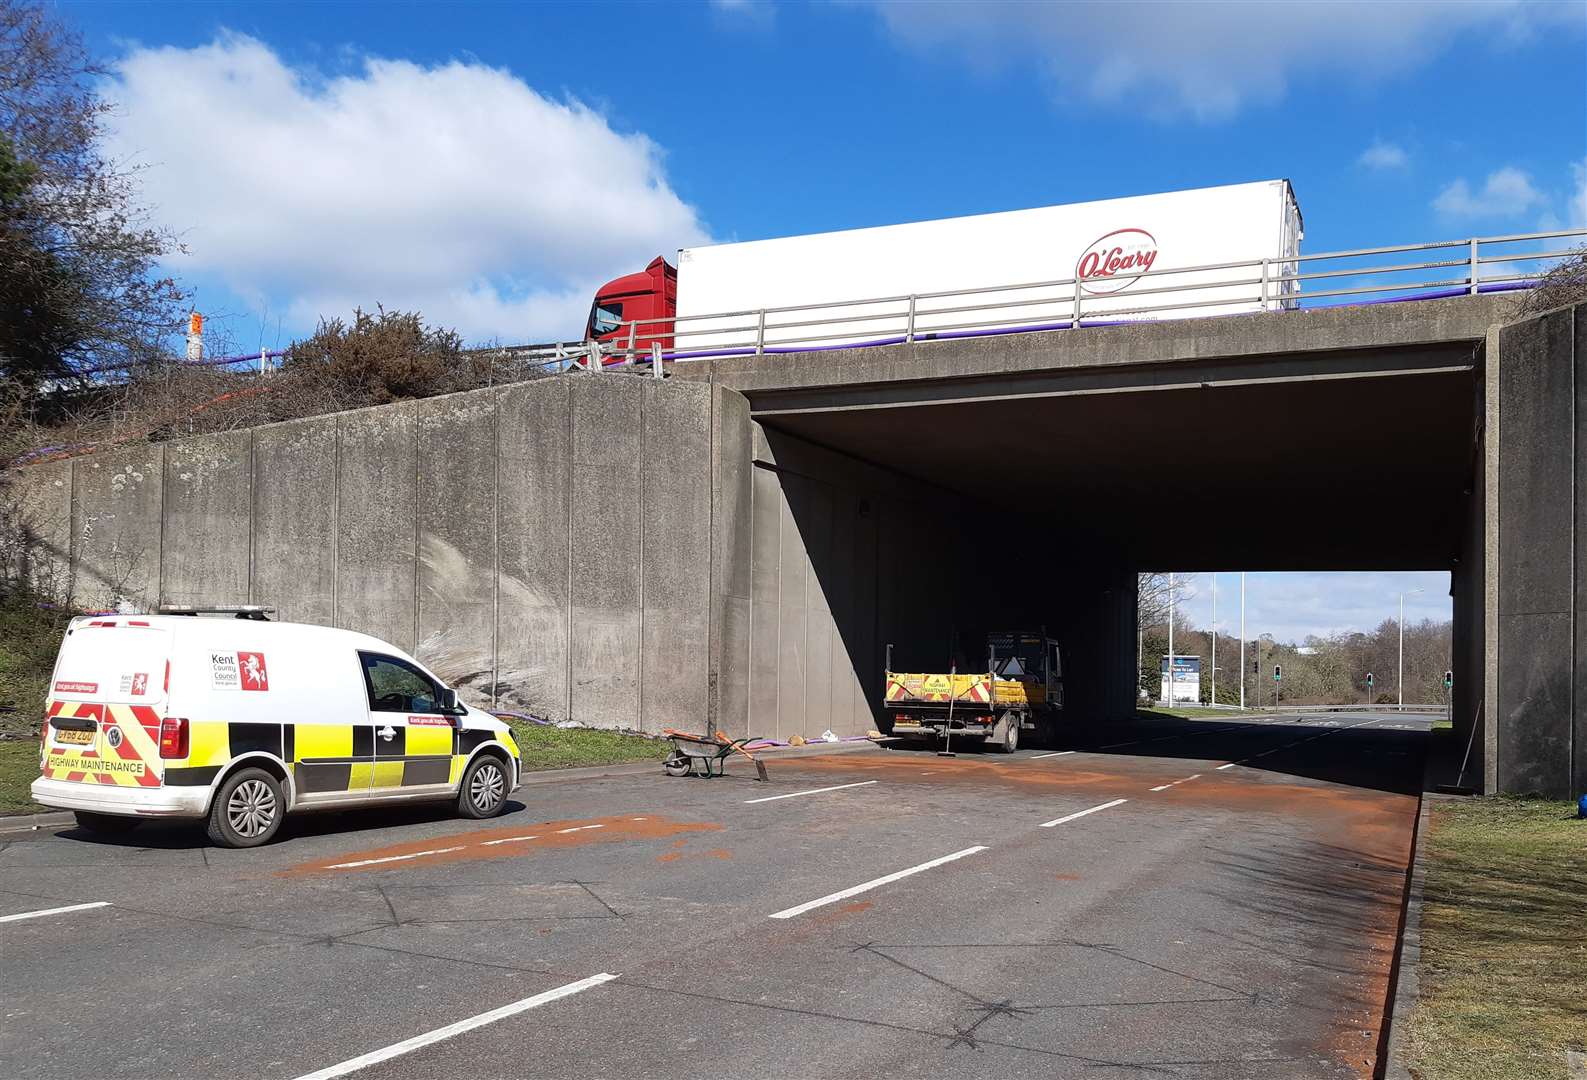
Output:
x=1504 y=942
x=577 y=748
x=19 y=767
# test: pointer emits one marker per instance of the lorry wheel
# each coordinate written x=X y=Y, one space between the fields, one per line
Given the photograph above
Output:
x=1011 y=735
x=105 y=824
x=483 y=791
x=247 y=810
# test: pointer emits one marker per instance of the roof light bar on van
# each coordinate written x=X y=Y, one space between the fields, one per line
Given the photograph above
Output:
x=240 y=611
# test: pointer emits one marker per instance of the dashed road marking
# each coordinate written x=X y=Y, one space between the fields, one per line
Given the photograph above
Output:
x=1055 y=753
x=1176 y=783
x=1081 y=813
x=580 y=828
x=507 y=840
x=812 y=791
x=832 y=898
x=19 y=916
x=394 y=858
x=1231 y=765
x=407 y=1046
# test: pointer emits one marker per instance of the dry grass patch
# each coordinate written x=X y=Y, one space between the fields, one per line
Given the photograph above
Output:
x=1504 y=942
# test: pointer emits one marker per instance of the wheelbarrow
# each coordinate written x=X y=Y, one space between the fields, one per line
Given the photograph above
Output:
x=706 y=753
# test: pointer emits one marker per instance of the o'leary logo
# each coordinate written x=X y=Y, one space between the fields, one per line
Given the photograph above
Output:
x=1116 y=261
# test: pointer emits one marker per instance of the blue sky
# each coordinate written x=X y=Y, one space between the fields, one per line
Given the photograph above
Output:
x=1289 y=606
x=491 y=164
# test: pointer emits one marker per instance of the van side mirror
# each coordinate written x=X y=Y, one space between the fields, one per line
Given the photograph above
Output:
x=447 y=700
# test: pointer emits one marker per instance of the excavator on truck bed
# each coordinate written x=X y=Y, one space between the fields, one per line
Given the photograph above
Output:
x=1021 y=690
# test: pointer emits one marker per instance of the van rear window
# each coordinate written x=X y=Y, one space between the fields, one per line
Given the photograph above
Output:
x=112 y=663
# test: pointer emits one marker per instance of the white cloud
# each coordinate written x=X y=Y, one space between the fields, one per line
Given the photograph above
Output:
x=1208 y=59
x=458 y=190
x=759 y=14
x=1384 y=155
x=1508 y=192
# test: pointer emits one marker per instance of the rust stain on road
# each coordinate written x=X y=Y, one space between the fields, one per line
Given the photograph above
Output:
x=526 y=838
x=680 y=851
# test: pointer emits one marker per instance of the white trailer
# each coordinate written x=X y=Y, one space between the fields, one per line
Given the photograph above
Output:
x=1116 y=259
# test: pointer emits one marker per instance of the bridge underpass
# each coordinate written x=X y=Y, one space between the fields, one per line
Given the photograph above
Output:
x=939 y=490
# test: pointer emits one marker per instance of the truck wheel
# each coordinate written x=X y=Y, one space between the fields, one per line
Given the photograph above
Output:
x=483 y=791
x=1011 y=735
x=105 y=824
x=247 y=810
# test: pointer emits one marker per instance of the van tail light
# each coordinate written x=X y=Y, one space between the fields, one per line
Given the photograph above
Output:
x=44 y=737
x=173 y=737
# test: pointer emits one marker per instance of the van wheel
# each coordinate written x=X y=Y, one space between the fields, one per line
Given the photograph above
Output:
x=1011 y=735
x=106 y=824
x=247 y=810
x=483 y=791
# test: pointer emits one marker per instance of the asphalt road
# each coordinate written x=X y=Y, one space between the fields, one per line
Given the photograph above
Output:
x=1146 y=909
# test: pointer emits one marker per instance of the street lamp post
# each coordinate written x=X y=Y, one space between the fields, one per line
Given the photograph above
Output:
x=1213 y=701
x=1399 y=676
x=1242 y=640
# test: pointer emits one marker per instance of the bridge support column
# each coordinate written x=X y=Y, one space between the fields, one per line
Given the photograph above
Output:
x=1536 y=671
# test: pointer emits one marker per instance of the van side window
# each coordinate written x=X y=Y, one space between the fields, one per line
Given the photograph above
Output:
x=397 y=686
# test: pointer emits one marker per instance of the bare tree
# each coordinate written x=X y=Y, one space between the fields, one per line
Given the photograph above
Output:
x=1565 y=284
x=1155 y=594
x=80 y=291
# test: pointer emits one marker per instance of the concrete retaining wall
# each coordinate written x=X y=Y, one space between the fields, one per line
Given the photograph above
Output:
x=545 y=547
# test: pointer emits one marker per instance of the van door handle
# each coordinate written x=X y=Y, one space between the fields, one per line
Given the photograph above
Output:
x=388 y=733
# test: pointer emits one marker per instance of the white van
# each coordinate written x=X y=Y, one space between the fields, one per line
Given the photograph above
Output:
x=238 y=720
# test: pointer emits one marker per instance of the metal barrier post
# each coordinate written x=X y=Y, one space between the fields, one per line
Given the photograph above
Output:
x=1076 y=323
x=760 y=333
x=1473 y=286
x=656 y=371
x=633 y=331
x=592 y=360
x=1264 y=285
x=909 y=327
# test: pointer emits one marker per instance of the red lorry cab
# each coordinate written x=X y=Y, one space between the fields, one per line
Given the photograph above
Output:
x=650 y=294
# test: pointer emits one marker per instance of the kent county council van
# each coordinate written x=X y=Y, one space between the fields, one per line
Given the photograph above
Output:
x=238 y=720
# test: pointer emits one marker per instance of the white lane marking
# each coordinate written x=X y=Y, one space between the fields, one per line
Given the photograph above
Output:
x=393 y=858
x=1055 y=753
x=506 y=840
x=1332 y=731
x=407 y=1046
x=1176 y=783
x=580 y=828
x=638 y=819
x=812 y=791
x=19 y=916
x=1081 y=813
x=832 y=898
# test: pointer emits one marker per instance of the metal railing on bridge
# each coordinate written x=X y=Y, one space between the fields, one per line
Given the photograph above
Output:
x=1361 y=276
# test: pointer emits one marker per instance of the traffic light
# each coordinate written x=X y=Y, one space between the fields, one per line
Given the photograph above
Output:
x=1369 y=680
x=1449 y=679
x=1278 y=672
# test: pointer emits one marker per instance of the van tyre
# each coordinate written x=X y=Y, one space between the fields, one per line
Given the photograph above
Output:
x=247 y=810
x=105 y=824
x=484 y=789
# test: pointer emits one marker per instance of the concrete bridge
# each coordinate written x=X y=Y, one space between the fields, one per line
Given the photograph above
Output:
x=743 y=540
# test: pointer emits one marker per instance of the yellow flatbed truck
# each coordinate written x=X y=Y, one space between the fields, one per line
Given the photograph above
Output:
x=1020 y=691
